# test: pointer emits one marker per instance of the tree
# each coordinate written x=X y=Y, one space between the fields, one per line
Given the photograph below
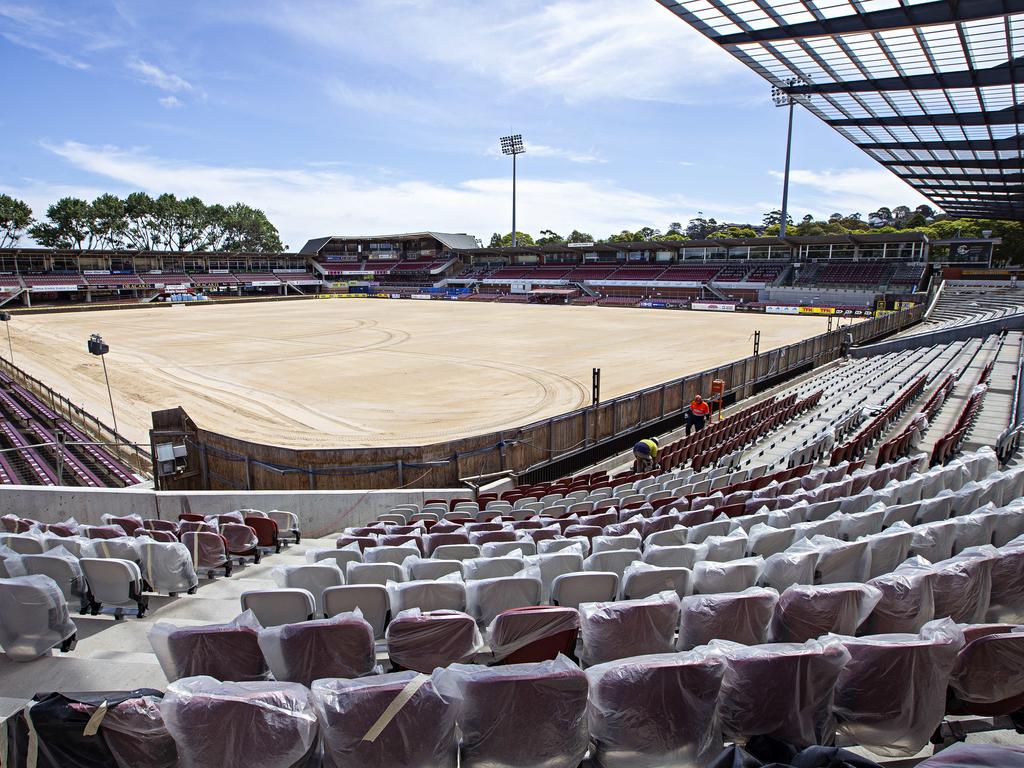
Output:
x=675 y=228
x=139 y=211
x=647 y=233
x=547 y=237
x=580 y=237
x=733 y=232
x=68 y=225
x=900 y=214
x=505 y=241
x=15 y=219
x=107 y=221
x=774 y=218
x=925 y=210
x=248 y=229
x=880 y=218
x=700 y=228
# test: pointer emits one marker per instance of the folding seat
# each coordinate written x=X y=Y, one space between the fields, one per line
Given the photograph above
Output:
x=371 y=600
x=209 y=551
x=838 y=561
x=821 y=510
x=614 y=561
x=34 y=618
x=616 y=630
x=115 y=584
x=287 y=523
x=487 y=537
x=782 y=690
x=673 y=537
x=456 y=551
x=724 y=548
x=341 y=646
x=573 y=589
x=805 y=611
x=741 y=617
x=864 y=523
x=611 y=543
x=223 y=651
x=103 y=531
x=533 y=633
x=486 y=598
x=828 y=527
x=272 y=607
x=23 y=543
x=503 y=548
x=934 y=509
x=390 y=554
x=712 y=578
x=988 y=676
x=600 y=519
x=643 y=580
x=340 y=557
x=128 y=524
x=890 y=696
x=355 y=733
x=184 y=526
x=241 y=541
x=520 y=714
x=266 y=532
x=784 y=569
x=491 y=567
x=1006 y=600
x=907 y=602
x=167 y=567
x=425 y=640
x=934 y=541
x=1009 y=524
x=579 y=545
x=764 y=540
x=963 y=586
x=448 y=594
x=217 y=724
x=65 y=570
x=548 y=567
x=697 y=533
x=418 y=569
x=392 y=517
x=313 y=578
x=373 y=573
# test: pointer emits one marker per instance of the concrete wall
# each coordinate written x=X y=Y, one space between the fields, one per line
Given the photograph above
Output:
x=808 y=294
x=320 y=513
x=942 y=336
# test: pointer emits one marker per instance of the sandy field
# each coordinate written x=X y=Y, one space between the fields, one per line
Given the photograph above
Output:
x=347 y=373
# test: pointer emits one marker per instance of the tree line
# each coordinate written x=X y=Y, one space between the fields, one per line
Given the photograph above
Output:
x=139 y=222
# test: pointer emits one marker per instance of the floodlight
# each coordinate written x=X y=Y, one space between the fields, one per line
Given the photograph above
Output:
x=97 y=346
x=782 y=97
x=513 y=145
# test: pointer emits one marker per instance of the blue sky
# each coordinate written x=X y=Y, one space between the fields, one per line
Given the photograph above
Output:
x=373 y=116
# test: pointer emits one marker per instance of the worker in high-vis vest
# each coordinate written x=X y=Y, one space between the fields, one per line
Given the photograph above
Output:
x=646 y=454
x=697 y=414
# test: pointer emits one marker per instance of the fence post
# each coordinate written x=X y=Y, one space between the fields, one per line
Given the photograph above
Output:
x=551 y=438
x=400 y=470
x=248 y=473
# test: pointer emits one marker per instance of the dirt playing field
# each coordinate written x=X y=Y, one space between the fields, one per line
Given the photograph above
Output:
x=335 y=373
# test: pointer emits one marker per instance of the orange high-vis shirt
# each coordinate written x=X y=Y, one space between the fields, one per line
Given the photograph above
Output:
x=699 y=409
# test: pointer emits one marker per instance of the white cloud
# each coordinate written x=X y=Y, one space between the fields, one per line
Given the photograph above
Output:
x=543 y=150
x=307 y=202
x=383 y=100
x=170 y=102
x=154 y=75
x=846 y=190
x=577 y=50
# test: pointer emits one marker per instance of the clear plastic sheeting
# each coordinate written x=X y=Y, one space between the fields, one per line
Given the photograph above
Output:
x=657 y=711
x=785 y=569
x=425 y=640
x=625 y=628
x=34 y=617
x=963 y=585
x=341 y=646
x=135 y=733
x=420 y=734
x=735 y=576
x=977 y=756
x=643 y=580
x=891 y=695
x=312 y=578
x=548 y=567
x=889 y=548
x=806 y=611
x=783 y=690
x=907 y=601
x=766 y=540
x=1006 y=599
x=119 y=548
x=167 y=567
x=486 y=598
x=257 y=724
x=447 y=593
x=222 y=651
x=519 y=628
x=520 y=715
x=492 y=567
x=61 y=566
x=990 y=669
x=838 y=561
x=740 y=617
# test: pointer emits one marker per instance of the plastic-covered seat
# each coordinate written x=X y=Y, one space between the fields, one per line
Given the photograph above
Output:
x=612 y=561
x=783 y=690
x=486 y=598
x=456 y=551
x=573 y=589
x=765 y=540
x=312 y=578
x=549 y=567
x=503 y=548
x=102 y=531
x=447 y=594
x=373 y=573
x=533 y=633
x=423 y=641
x=889 y=548
x=807 y=611
x=128 y=524
x=520 y=714
x=273 y=607
x=371 y=600
x=839 y=562
x=390 y=554
x=65 y=570
x=209 y=552
x=784 y=569
x=735 y=576
x=167 y=567
x=656 y=711
x=421 y=733
x=217 y=724
x=675 y=556
x=241 y=541
x=340 y=557
x=34 y=617
x=630 y=541
x=491 y=567
x=222 y=651
x=643 y=580
x=1006 y=599
x=988 y=677
x=341 y=646
x=907 y=602
x=629 y=627
x=119 y=548
x=267 y=535
x=287 y=523
x=740 y=617
x=963 y=587
x=23 y=543
x=115 y=584
x=427 y=568
x=890 y=697
x=934 y=541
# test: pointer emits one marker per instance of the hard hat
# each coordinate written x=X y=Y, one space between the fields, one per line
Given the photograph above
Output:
x=655 y=441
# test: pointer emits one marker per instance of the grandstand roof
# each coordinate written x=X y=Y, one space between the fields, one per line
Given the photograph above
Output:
x=447 y=239
x=931 y=90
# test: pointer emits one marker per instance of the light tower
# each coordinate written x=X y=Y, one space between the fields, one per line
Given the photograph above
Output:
x=513 y=145
x=783 y=98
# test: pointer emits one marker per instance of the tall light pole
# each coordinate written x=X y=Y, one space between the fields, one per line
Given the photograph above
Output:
x=783 y=98
x=98 y=347
x=513 y=145
x=5 y=318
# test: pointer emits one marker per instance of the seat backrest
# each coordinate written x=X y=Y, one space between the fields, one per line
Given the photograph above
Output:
x=111 y=580
x=371 y=600
x=989 y=671
x=279 y=606
x=615 y=561
x=208 y=550
x=629 y=627
x=572 y=589
x=429 y=568
x=312 y=578
x=674 y=556
x=240 y=538
x=65 y=572
x=423 y=641
x=710 y=578
x=33 y=617
x=502 y=548
x=340 y=557
x=222 y=651
x=373 y=573
x=390 y=554
x=533 y=633
x=23 y=543
x=456 y=551
x=265 y=528
x=486 y=598
x=427 y=596
x=741 y=617
x=341 y=646
x=638 y=583
x=806 y=611
x=492 y=567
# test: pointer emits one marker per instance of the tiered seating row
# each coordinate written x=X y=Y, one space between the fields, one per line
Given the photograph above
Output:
x=855 y=448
